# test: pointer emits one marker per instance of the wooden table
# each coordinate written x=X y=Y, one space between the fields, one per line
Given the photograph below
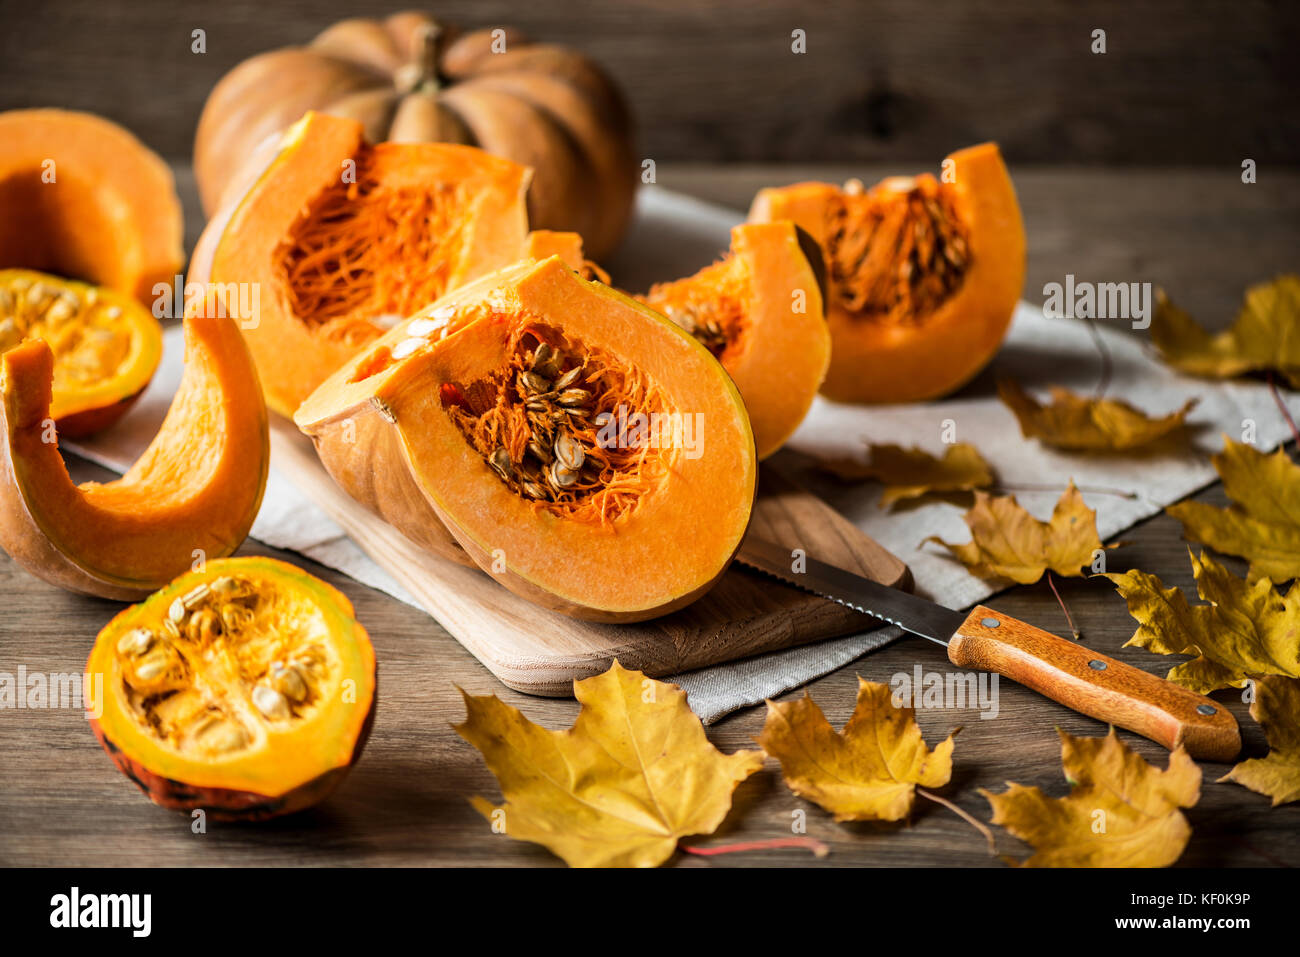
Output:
x=1202 y=234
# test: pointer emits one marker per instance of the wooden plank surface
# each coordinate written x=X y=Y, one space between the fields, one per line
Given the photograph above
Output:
x=713 y=80
x=62 y=802
x=541 y=652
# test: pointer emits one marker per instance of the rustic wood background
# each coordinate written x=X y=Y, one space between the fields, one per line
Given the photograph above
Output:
x=1206 y=83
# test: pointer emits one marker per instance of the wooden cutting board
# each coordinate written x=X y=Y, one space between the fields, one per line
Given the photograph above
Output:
x=540 y=652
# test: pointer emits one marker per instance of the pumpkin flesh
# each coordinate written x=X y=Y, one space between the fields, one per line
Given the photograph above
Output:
x=923 y=275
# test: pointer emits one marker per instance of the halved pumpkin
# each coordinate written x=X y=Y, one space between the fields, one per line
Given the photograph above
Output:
x=924 y=274
x=586 y=452
x=106 y=345
x=759 y=310
x=340 y=239
x=191 y=496
x=246 y=689
x=82 y=197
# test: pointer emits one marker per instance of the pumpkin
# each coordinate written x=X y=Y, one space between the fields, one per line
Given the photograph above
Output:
x=575 y=443
x=82 y=197
x=923 y=274
x=246 y=689
x=409 y=79
x=191 y=496
x=759 y=310
x=337 y=239
x=106 y=345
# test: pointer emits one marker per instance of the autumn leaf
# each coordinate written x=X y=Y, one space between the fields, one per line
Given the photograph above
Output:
x=1078 y=423
x=633 y=776
x=1265 y=335
x=1120 y=812
x=1008 y=542
x=868 y=771
x=1263 y=524
x=1277 y=708
x=1246 y=629
x=911 y=473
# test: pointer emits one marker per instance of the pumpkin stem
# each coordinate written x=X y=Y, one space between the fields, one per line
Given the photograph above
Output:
x=425 y=69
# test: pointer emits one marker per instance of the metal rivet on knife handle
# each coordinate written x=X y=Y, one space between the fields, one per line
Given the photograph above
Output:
x=1096 y=665
x=990 y=622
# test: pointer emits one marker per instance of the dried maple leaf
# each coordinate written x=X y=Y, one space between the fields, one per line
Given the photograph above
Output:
x=911 y=473
x=633 y=776
x=1120 y=812
x=1265 y=335
x=1263 y=524
x=1247 y=629
x=1079 y=423
x=1277 y=708
x=1008 y=542
x=868 y=771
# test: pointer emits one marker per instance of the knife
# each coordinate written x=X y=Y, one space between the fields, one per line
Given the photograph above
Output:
x=1067 y=672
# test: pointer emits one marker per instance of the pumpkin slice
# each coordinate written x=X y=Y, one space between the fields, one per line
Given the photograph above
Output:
x=759 y=310
x=191 y=496
x=106 y=345
x=586 y=452
x=246 y=689
x=80 y=196
x=923 y=275
x=339 y=239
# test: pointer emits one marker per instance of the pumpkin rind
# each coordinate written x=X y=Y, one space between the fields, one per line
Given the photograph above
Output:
x=291 y=768
x=241 y=243
x=408 y=79
x=82 y=197
x=193 y=493
x=646 y=562
x=930 y=355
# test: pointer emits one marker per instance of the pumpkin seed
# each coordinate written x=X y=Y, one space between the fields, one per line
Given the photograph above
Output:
x=205 y=624
x=270 y=702
x=423 y=327
x=286 y=680
x=407 y=347
x=152 y=667
x=571 y=398
x=443 y=313
x=196 y=595
x=566 y=380
x=560 y=476
x=568 y=452
x=135 y=642
x=534 y=384
x=539 y=451
x=500 y=461
x=176 y=611
x=173 y=630
x=533 y=490
x=223 y=735
x=542 y=355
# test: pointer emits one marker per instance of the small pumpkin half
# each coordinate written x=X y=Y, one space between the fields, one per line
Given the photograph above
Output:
x=82 y=197
x=335 y=240
x=587 y=453
x=246 y=689
x=191 y=496
x=923 y=274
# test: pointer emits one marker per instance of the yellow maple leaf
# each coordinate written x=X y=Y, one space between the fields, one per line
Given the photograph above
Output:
x=911 y=473
x=868 y=771
x=1277 y=708
x=1265 y=335
x=1008 y=542
x=1078 y=423
x=632 y=776
x=1246 y=629
x=1120 y=812
x=1263 y=524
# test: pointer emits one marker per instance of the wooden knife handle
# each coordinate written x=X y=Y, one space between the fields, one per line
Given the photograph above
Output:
x=1095 y=685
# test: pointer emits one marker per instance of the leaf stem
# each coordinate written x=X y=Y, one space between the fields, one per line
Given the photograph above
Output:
x=1094 y=489
x=1060 y=601
x=1286 y=413
x=965 y=816
x=818 y=848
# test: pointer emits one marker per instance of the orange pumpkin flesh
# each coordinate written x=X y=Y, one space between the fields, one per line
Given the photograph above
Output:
x=246 y=689
x=192 y=494
x=448 y=388
x=82 y=197
x=106 y=345
x=760 y=312
x=334 y=260
x=923 y=275
x=409 y=79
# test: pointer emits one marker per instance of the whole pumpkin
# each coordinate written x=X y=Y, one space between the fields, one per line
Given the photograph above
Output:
x=410 y=79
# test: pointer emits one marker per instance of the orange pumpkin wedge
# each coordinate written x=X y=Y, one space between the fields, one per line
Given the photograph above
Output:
x=574 y=442
x=246 y=689
x=82 y=197
x=190 y=497
x=759 y=310
x=106 y=345
x=923 y=274
x=336 y=239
